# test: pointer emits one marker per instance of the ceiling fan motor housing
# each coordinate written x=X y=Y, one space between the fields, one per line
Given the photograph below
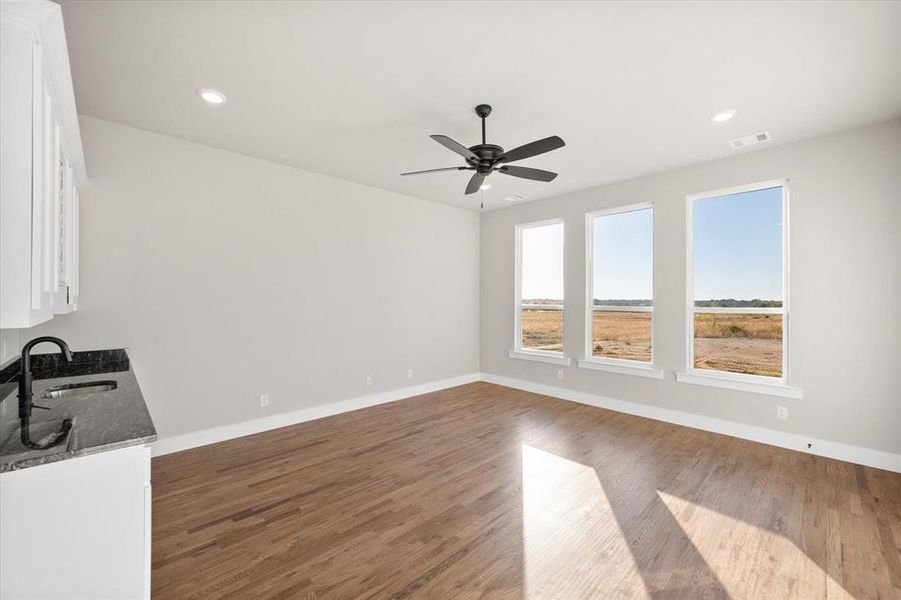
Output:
x=487 y=154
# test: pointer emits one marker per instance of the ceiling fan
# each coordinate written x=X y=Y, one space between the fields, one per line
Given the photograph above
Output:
x=486 y=159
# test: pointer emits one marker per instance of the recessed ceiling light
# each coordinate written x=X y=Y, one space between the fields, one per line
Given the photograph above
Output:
x=212 y=96
x=485 y=186
x=723 y=115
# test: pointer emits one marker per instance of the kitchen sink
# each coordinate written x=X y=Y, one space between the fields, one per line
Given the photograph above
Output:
x=73 y=389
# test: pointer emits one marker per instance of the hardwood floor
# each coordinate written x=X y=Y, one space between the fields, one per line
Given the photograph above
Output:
x=483 y=491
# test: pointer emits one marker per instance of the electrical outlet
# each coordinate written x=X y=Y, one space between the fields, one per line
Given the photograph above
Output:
x=368 y=380
x=409 y=373
x=264 y=399
x=782 y=412
x=559 y=373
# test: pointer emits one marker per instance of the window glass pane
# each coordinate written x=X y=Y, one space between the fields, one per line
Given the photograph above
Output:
x=542 y=286
x=738 y=249
x=738 y=241
x=739 y=343
x=623 y=275
x=622 y=335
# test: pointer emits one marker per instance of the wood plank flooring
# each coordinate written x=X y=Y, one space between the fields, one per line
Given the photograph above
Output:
x=483 y=491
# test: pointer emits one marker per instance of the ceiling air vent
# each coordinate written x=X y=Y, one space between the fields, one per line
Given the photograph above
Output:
x=750 y=140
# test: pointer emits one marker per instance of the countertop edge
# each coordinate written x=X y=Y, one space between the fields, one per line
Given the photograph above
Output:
x=29 y=463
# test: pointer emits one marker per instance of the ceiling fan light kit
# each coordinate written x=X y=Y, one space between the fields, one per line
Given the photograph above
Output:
x=486 y=158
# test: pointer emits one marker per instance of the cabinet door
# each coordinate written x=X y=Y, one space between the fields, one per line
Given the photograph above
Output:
x=18 y=65
x=56 y=191
x=73 y=220
x=67 y=233
x=76 y=528
x=51 y=199
x=148 y=524
x=38 y=180
x=44 y=196
x=48 y=191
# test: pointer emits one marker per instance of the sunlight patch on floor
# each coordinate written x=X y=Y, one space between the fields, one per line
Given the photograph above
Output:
x=738 y=552
x=573 y=546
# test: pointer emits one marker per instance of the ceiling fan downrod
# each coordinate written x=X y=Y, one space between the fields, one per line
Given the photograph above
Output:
x=483 y=110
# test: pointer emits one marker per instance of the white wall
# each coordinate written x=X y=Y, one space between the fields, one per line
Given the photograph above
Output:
x=845 y=268
x=229 y=277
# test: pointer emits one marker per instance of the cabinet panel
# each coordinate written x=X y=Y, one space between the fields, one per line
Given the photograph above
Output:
x=42 y=163
x=75 y=237
x=56 y=191
x=76 y=528
x=48 y=132
x=16 y=125
x=37 y=174
x=67 y=223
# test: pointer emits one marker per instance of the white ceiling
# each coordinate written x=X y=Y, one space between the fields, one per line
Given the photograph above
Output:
x=353 y=89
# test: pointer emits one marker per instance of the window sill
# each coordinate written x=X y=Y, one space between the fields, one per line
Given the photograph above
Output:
x=772 y=389
x=623 y=369
x=538 y=356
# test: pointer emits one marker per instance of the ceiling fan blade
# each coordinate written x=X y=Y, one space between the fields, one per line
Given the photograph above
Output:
x=532 y=149
x=455 y=146
x=528 y=173
x=437 y=170
x=475 y=183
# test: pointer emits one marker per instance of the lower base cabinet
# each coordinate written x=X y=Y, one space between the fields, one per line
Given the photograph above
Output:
x=78 y=528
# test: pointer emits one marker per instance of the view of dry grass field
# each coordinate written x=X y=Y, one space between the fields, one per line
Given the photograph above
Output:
x=746 y=343
x=622 y=335
x=739 y=343
x=542 y=330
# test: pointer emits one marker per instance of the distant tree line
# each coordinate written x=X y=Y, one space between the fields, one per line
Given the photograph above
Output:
x=732 y=302
x=622 y=302
x=722 y=302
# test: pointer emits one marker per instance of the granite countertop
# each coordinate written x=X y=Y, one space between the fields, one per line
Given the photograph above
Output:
x=102 y=420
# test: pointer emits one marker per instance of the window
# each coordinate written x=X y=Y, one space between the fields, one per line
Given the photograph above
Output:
x=539 y=292
x=620 y=249
x=737 y=283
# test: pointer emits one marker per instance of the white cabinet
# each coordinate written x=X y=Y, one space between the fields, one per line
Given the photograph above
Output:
x=77 y=528
x=42 y=162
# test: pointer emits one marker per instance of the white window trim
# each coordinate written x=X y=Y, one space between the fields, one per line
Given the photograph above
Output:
x=740 y=382
x=724 y=379
x=546 y=356
x=623 y=367
x=554 y=358
x=599 y=363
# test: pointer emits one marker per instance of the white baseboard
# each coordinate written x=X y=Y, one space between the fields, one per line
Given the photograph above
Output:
x=836 y=450
x=226 y=432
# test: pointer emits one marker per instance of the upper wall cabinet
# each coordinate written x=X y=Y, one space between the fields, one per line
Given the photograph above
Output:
x=42 y=165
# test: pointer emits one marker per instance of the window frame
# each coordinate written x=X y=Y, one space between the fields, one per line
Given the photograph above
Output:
x=616 y=365
x=742 y=381
x=518 y=351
